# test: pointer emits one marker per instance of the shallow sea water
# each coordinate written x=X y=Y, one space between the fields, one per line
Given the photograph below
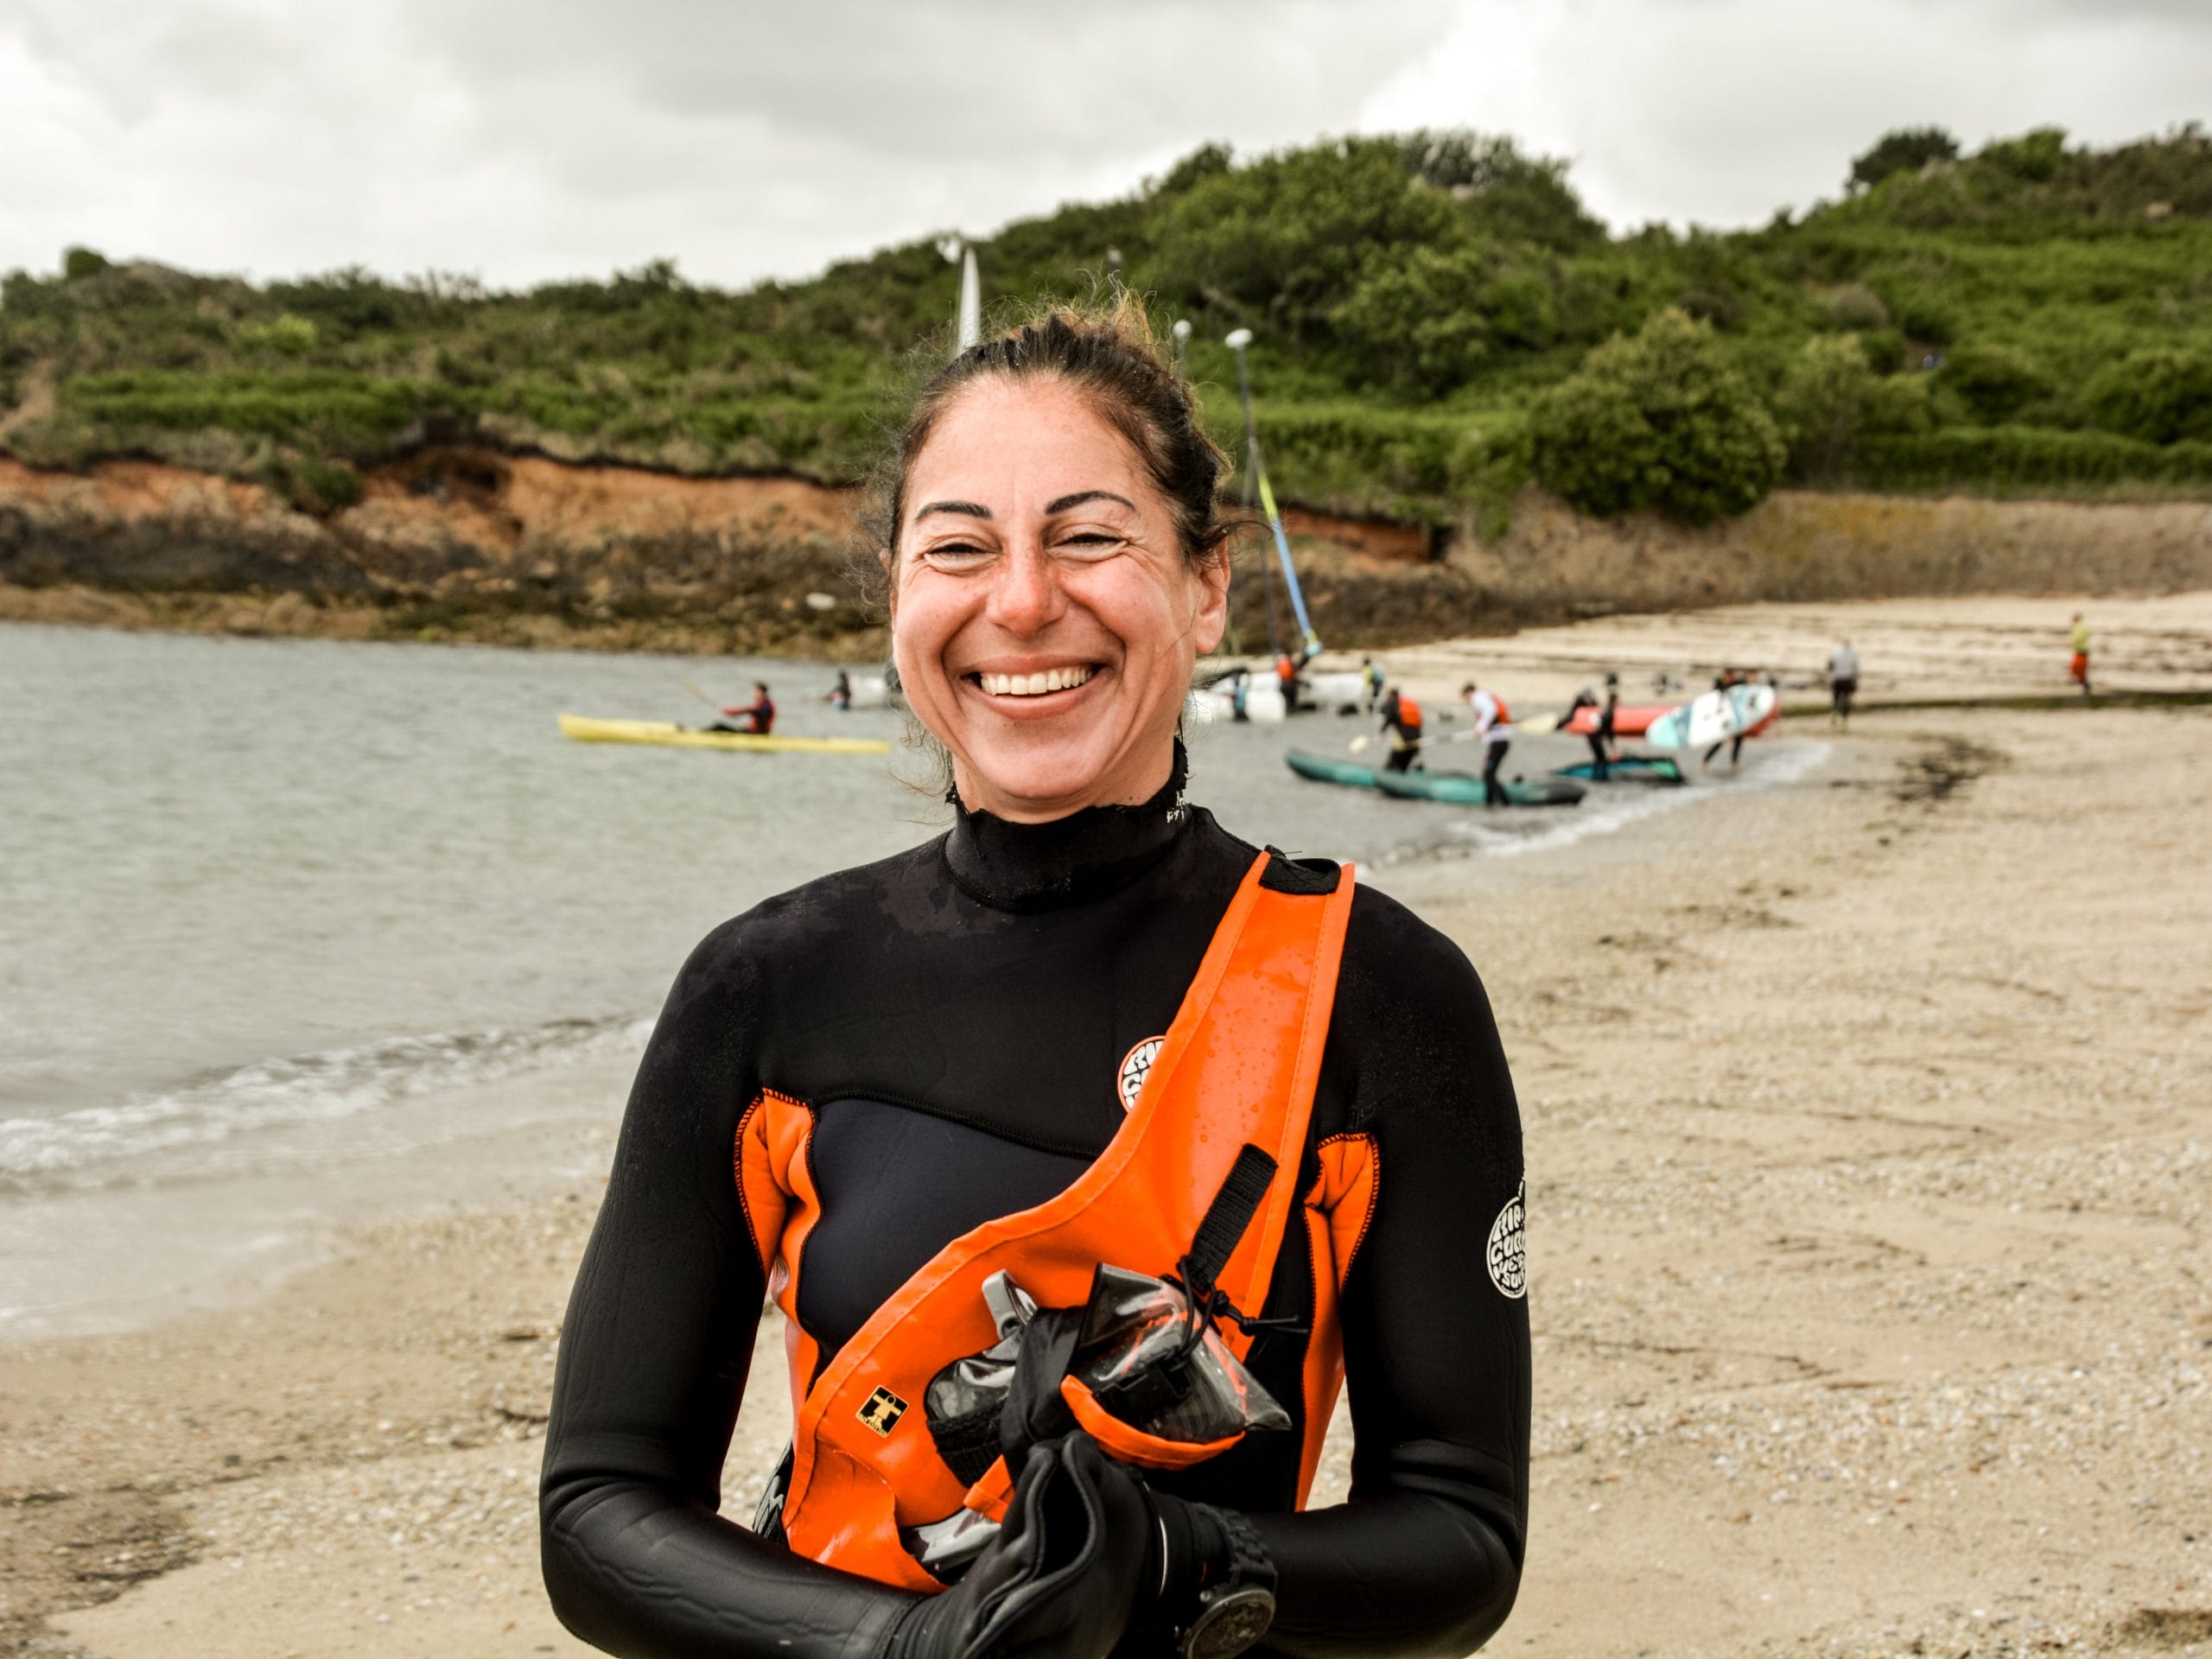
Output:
x=291 y=931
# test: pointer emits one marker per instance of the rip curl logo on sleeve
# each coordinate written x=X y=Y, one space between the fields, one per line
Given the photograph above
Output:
x=1136 y=1067
x=1507 y=1252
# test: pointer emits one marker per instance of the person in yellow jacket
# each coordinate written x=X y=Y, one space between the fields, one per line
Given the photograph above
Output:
x=2081 y=641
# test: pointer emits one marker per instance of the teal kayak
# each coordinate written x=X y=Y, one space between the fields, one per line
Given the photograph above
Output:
x=1651 y=768
x=1323 y=771
x=1457 y=788
x=1464 y=789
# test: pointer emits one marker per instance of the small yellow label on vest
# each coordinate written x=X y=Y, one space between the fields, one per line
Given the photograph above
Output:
x=883 y=1411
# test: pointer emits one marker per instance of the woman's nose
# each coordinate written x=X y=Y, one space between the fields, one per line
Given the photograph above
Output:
x=1026 y=596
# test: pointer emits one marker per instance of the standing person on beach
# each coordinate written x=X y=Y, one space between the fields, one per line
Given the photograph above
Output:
x=1401 y=721
x=1843 y=683
x=1370 y=680
x=1494 y=729
x=1086 y=1041
x=2080 y=639
x=1727 y=678
x=1604 y=748
x=841 y=693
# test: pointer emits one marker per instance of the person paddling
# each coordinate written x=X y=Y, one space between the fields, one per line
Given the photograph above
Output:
x=1087 y=1044
x=1494 y=727
x=759 y=715
x=1402 y=721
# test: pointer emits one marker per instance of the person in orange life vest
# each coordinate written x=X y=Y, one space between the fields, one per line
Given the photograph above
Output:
x=1494 y=726
x=759 y=715
x=1073 y=1032
x=2079 y=638
x=1401 y=720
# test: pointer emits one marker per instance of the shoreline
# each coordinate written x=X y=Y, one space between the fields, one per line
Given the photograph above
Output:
x=1867 y=1148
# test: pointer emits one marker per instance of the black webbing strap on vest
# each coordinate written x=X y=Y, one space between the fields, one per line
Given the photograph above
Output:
x=1243 y=1190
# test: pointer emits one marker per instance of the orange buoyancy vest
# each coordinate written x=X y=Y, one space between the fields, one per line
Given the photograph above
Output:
x=1237 y=1068
x=1409 y=715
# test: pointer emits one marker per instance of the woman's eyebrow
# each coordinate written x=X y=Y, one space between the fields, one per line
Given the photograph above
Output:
x=969 y=508
x=1081 y=496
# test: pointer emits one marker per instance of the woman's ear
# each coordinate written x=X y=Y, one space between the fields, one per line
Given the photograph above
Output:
x=1211 y=621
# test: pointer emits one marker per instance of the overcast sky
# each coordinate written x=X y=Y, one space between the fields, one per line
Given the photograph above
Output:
x=527 y=139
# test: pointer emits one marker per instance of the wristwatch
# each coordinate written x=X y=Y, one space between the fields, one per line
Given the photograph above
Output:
x=1234 y=1611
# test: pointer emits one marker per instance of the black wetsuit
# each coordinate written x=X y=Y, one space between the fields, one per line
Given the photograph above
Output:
x=956 y=1019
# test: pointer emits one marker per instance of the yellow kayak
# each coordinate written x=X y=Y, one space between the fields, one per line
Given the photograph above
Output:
x=683 y=737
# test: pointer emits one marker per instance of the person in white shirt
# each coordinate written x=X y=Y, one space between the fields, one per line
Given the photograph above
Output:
x=1843 y=683
x=1494 y=726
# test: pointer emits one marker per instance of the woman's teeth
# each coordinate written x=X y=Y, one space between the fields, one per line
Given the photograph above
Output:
x=1035 y=685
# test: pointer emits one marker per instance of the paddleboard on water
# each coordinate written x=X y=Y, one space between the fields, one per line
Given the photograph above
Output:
x=1713 y=718
x=584 y=730
x=1455 y=788
x=1641 y=768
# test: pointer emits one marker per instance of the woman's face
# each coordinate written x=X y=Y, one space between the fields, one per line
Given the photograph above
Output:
x=1044 y=619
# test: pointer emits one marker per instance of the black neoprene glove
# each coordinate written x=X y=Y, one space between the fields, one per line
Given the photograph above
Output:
x=1060 y=1578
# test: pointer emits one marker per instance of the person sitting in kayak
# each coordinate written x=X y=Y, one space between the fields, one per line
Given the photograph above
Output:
x=759 y=715
x=1494 y=726
x=1401 y=720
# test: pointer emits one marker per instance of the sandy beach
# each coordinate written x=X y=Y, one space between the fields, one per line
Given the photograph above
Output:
x=1870 y=1145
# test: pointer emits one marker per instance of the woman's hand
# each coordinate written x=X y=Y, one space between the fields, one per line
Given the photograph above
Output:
x=1059 y=1580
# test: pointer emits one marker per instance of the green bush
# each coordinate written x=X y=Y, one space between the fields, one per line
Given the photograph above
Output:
x=1284 y=240
x=2160 y=394
x=1994 y=382
x=310 y=484
x=1906 y=150
x=1833 y=399
x=1431 y=319
x=323 y=409
x=2035 y=156
x=79 y=263
x=2024 y=457
x=1660 y=420
x=1855 y=306
x=288 y=335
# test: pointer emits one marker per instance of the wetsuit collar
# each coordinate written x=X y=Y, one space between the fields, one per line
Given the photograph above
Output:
x=1085 y=855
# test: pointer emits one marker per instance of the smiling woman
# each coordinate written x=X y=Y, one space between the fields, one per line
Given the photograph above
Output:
x=1061 y=1143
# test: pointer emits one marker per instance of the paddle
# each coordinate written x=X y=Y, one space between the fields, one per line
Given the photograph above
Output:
x=703 y=696
x=1359 y=743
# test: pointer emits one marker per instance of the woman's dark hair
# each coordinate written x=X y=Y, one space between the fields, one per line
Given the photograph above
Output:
x=1109 y=355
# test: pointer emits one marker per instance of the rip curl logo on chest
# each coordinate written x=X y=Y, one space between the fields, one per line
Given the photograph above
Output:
x=1507 y=1253
x=1136 y=1067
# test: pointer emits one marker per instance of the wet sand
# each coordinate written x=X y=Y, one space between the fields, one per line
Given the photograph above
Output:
x=1869 y=1140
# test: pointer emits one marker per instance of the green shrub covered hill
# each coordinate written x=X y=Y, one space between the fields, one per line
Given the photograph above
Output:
x=1438 y=320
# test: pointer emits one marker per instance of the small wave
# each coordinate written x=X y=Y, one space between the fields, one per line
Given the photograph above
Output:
x=1602 y=813
x=92 y=1145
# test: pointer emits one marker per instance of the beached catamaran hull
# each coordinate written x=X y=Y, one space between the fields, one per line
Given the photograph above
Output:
x=681 y=737
x=1454 y=788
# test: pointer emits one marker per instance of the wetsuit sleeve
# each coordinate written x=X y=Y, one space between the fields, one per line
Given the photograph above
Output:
x=653 y=1359
x=1425 y=1558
